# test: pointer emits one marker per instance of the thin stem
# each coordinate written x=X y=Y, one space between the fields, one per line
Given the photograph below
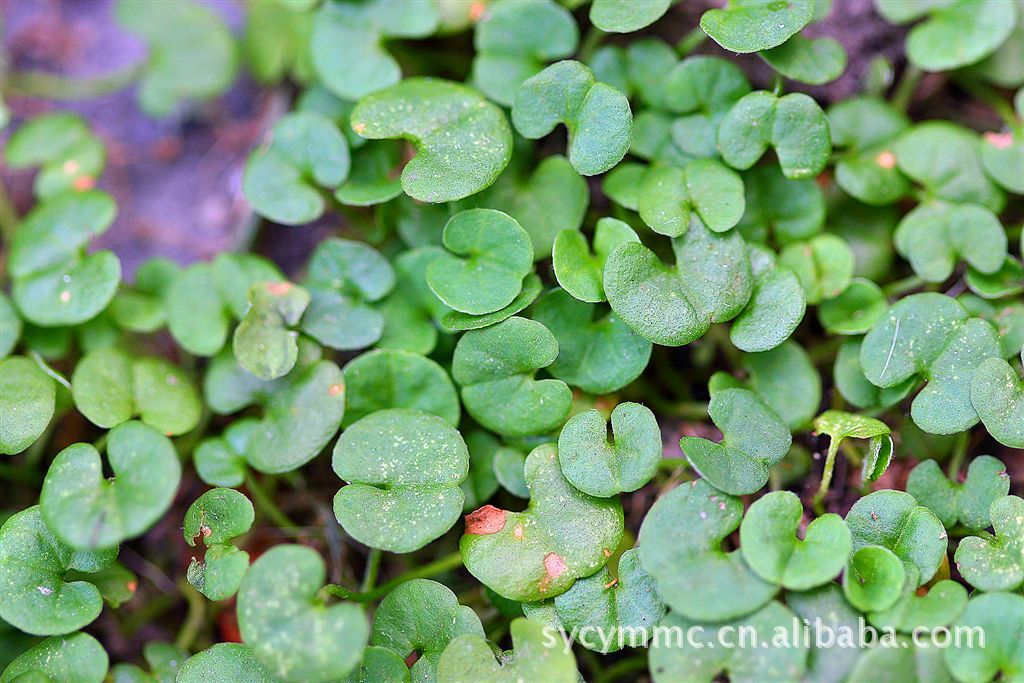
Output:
x=438 y=566
x=691 y=41
x=372 y=569
x=959 y=451
x=671 y=464
x=826 y=475
x=904 y=90
x=45 y=367
x=901 y=287
x=9 y=219
x=195 y=617
x=52 y=86
x=266 y=505
x=591 y=41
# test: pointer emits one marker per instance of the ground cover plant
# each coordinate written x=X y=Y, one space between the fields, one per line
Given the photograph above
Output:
x=602 y=328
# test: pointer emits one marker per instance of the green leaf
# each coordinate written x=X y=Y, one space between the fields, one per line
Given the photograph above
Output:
x=596 y=115
x=702 y=659
x=902 y=660
x=941 y=605
x=344 y=278
x=225 y=662
x=849 y=379
x=348 y=42
x=809 y=60
x=192 y=55
x=70 y=157
x=495 y=368
x=681 y=547
x=786 y=380
x=274 y=43
x=373 y=179
x=89 y=511
x=840 y=425
x=604 y=461
x=408 y=464
x=291 y=631
x=786 y=209
x=754 y=438
x=579 y=268
x=668 y=196
x=703 y=89
x=455 y=321
x=1000 y=616
x=930 y=336
x=379 y=664
x=827 y=613
x=776 y=306
x=263 y=343
x=509 y=469
x=934 y=236
x=141 y=308
x=10 y=329
x=608 y=613
x=471 y=659
x=824 y=265
x=422 y=616
x=34 y=564
x=218 y=516
x=482 y=483
x=997 y=393
x=996 y=563
x=221 y=461
x=1003 y=158
x=774 y=552
x=626 y=16
x=54 y=281
x=874 y=578
x=652 y=139
x=867 y=127
x=283 y=181
x=967 y=503
x=753 y=25
x=77 y=657
x=597 y=353
x=894 y=520
x=110 y=387
x=1005 y=282
x=26 y=404
x=514 y=40
x=563 y=535
x=398 y=379
x=946 y=159
x=488 y=256
x=793 y=125
x=855 y=310
x=199 y=324
x=463 y=142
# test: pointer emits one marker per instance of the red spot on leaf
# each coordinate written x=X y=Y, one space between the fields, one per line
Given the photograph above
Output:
x=279 y=288
x=554 y=565
x=335 y=389
x=999 y=140
x=486 y=520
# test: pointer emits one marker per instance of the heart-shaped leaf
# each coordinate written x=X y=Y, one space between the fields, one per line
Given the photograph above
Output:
x=54 y=281
x=192 y=54
x=221 y=461
x=996 y=564
x=596 y=114
x=626 y=16
x=422 y=616
x=754 y=438
x=753 y=25
x=997 y=393
x=37 y=596
x=110 y=387
x=824 y=265
x=283 y=181
x=779 y=207
x=563 y=535
x=901 y=660
x=488 y=256
x=347 y=44
x=809 y=60
x=669 y=195
x=941 y=605
x=930 y=336
x=794 y=125
x=579 y=267
x=463 y=141
x=867 y=128
x=1000 y=616
x=681 y=547
x=967 y=503
x=702 y=658
x=218 y=516
x=89 y=511
x=69 y=155
x=496 y=366
x=514 y=40
x=398 y=379
x=76 y=657
x=604 y=462
x=839 y=425
x=379 y=664
x=599 y=354
x=459 y=322
x=534 y=657
x=344 y=278
x=1007 y=281
x=934 y=236
x=404 y=462
x=772 y=549
x=225 y=662
x=874 y=578
x=855 y=310
x=827 y=613
x=786 y=380
x=776 y=306
x=289 y=630
x=263 y=343
x=849 y=379
x=894 y=520
x=26 y=403
x=702 y=89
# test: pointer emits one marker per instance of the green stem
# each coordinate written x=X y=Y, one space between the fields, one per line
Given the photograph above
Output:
x=826 y=475
x=195 y=617
x=265 y=503
x=691 y=41
x=372 y=569
x=904 y=90
x=671 y=464
x=591 y=41
x=959 y=451
x=439 y=566
x=52 y=86
x=901 y=287
x=9 y=219
x=100 y=444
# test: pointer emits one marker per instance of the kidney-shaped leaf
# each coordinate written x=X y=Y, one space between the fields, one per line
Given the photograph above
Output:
x=668 y=196
x=753 y=25
x=997 y=393
x=1000 y=616
x=579 y=268
x=264 y=344
x=936 y=235
x=996 y=564
x=225 y=662
x=953 y=502
x=534 y=657
x=626 y=16
x=954 y=34
x=398 y=379
x=69 y=155
x=217 y=517
x=77 y=657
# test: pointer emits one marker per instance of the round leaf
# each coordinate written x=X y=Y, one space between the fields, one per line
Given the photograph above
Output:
x=26 y=404
x=752 y=25
x=626 y=16
x=398 y=379
x=997 y=563
x=77 y=657
x=997 y=393
x=706 y=187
